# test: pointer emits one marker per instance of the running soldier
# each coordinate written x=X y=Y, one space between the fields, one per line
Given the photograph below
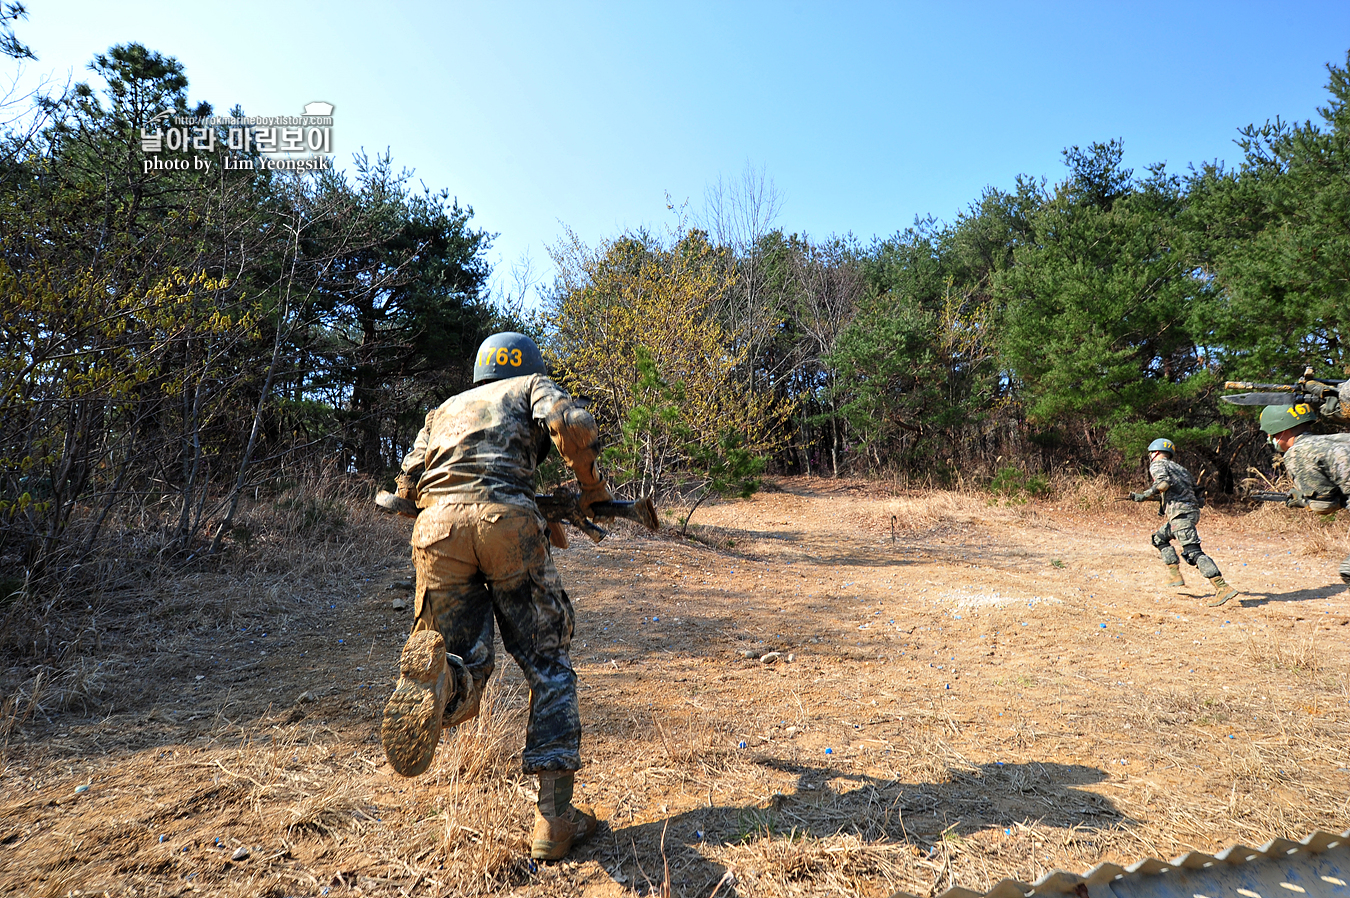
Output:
x=1318 y=463
x=1180 y=505
x=481 y=550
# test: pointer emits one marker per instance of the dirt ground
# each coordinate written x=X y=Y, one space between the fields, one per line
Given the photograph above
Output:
x=838 y=688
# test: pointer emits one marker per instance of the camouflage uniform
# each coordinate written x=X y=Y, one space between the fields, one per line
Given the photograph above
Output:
x=1320 y=467
x=481 y=549
x=1181 y=506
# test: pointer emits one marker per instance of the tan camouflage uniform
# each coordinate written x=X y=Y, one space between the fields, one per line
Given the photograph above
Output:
x=1320 y=466
x=482 y=551
x=1181 y=507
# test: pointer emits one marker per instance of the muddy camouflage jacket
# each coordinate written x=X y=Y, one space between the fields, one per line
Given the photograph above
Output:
x=1320 y=466
x=1176 y=486
x=483 y=445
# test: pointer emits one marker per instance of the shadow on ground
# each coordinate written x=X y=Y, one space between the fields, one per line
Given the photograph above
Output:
x=1257 y=599
x=826 y=802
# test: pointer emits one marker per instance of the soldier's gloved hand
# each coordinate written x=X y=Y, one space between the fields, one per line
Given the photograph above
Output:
x=406 y=487
x=598 y=492
x=1138 y=497
x=1295 y=500
x=1317 y=389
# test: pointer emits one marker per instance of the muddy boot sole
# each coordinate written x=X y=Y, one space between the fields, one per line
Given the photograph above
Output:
x=412 y=716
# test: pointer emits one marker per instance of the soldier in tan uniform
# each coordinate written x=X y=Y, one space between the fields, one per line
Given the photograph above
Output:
x=1318 y=463
x=481 y=550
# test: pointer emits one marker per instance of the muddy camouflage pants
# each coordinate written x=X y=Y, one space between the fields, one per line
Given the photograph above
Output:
x=480 y=561
x=1182 y=529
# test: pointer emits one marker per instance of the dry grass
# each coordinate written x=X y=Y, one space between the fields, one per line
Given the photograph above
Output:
x=1086 y=493
x=304 y=545
x=792 y=864
x=924 y=789
x=483 y=794
x=926 y=511
x=1299 y=656
x=692 y=743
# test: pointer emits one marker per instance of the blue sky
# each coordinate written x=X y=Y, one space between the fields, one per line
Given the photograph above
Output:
x=864 y=115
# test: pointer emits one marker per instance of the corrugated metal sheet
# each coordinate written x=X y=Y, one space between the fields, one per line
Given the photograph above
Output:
x=1315 y=867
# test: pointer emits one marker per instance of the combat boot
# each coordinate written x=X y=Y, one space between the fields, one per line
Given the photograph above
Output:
x=464 y=699
x=1177 y=579
x=412 y=716
x=1222 y=592
x=558 y=824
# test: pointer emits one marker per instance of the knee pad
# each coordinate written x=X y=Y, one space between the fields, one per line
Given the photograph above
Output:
x=1192 y=553
x=1159 y=542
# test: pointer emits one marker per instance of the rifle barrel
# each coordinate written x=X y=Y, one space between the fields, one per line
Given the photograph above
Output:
x=1281 y=388
x=1265 y=388
x=560 y=506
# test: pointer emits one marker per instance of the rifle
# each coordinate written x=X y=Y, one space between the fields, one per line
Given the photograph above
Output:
x=561 y=506
x=1267 y=496
x=1281 y=394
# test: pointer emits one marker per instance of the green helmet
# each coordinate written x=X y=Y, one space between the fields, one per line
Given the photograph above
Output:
x=1162 y=444
x=507 y=354
x=1279 y=418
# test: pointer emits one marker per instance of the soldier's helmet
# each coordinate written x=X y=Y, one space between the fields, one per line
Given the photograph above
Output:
x=507 y=354
x=1279 y=418
x=1162 y=444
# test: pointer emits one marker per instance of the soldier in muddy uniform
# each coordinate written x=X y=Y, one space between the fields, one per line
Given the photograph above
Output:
x=481 y=550
x=1318 y=463
x=1180 y=505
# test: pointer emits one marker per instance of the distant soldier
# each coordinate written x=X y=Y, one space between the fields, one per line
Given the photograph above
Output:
x=481 y=550
x=1181 y=506
x=1318 y=463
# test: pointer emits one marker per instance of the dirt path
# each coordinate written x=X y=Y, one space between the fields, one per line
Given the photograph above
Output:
x=950 y=692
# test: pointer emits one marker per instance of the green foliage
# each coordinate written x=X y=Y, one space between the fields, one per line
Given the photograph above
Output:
x=1096 y=303
x=314 y=515
x=10 y=45
x=393 y=278
x=718 y=463
x=633 y=330
x=726 y=466
x=1014 y=483
x=1275 y=235
x=167 y=339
